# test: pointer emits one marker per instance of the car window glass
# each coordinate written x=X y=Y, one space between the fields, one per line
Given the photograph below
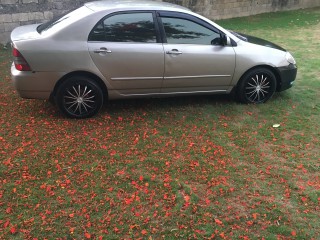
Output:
x=130 y=27
x=98 y=33
x=183 y=31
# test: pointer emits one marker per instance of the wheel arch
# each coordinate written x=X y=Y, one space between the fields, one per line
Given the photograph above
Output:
x=90 y=75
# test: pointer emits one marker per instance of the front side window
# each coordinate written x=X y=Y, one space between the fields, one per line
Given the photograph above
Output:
x=183 y=31
x=126 y=27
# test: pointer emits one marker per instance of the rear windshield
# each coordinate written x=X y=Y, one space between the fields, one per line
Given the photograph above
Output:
x=64 y=19
x=52 y=22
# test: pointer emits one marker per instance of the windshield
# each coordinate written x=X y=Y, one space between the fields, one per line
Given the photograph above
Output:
x=66 y=18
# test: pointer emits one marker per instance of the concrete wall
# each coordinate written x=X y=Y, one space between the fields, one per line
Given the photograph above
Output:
x=14 y=13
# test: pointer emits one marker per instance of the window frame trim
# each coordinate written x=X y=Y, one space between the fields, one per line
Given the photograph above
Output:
x=155 y=22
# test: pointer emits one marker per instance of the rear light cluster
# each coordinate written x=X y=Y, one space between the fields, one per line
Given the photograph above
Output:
x=19 y=61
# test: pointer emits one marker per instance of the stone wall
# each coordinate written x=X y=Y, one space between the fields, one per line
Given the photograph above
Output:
x=14 y=13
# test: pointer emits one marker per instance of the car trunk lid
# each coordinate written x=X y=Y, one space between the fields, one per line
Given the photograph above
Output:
x=25 y=33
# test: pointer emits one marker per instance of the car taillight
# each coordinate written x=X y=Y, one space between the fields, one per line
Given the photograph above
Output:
x=19 y=61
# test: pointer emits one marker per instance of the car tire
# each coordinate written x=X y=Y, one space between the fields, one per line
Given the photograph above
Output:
x=257 y=86
x=79 y=97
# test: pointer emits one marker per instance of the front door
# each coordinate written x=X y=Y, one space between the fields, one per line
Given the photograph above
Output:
x=126 y=49
x=195 y=59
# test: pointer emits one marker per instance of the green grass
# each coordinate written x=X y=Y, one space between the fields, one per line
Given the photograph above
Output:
x=178 y=168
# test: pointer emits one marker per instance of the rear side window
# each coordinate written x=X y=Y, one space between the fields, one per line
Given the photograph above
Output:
x=126 y=27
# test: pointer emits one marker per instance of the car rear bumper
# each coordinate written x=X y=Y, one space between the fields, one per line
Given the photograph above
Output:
x=287 y=75
x=38 y=85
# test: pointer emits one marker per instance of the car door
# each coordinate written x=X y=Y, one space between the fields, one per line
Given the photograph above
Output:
x=195 y=59
x=127 y=50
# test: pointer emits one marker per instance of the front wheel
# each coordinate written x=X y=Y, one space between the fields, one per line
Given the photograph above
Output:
x=257 y=86
x=79 y=97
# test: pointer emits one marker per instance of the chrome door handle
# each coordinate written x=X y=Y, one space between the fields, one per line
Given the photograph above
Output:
x=102 y=50
x=174 y=52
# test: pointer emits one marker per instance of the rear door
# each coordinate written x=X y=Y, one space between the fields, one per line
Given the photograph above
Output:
x=195 y=59
x=126 y=48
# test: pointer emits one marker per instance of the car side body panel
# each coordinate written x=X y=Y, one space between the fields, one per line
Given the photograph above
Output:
x=247 y=58
x=198 y=68
x=130 y=68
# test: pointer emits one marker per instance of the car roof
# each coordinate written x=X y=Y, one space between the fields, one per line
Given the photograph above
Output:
x=97 y=6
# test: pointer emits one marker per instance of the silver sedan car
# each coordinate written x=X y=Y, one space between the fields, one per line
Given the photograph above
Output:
x=125 y=49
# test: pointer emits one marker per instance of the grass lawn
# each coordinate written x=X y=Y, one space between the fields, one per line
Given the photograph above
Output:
x=179 y=168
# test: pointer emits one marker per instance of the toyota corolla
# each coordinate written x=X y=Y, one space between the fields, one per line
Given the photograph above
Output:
x=125 y=49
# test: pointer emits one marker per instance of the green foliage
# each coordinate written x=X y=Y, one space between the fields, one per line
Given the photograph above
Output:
x=274 y=21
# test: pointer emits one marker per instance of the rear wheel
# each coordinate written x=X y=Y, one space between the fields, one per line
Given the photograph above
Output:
x=257 y=86
x=79 y=97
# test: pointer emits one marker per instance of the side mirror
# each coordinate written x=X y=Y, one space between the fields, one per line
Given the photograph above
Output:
x=225 y=40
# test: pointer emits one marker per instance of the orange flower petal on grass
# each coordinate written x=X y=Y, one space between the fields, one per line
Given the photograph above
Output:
x=218 y=221
x=13 y=230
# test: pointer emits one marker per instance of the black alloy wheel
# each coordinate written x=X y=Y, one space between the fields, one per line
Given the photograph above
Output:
x=257 y=86
x=79 y=97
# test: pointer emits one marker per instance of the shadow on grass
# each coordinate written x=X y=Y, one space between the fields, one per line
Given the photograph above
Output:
x=155 y=105
x=139 y=105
